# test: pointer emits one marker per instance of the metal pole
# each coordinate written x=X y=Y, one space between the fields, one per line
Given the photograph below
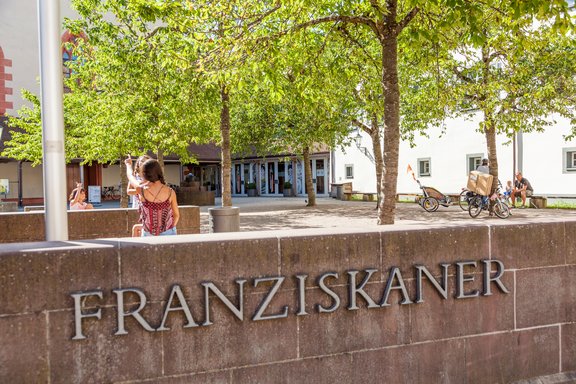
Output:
x=20 y=195
x=520 y=149
x=513 y=158
x=51 y=87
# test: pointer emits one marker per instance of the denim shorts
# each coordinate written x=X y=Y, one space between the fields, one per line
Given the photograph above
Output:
x=168 y=232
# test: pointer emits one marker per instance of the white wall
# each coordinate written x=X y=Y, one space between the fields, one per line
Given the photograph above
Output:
x=543 y=165
x=111 y=175
x=364 y=179
x=32 y=179
x=542 y=159
x=10 y=171
x=19 y=41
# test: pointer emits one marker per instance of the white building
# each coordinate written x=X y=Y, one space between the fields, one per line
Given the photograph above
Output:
x=443 y=160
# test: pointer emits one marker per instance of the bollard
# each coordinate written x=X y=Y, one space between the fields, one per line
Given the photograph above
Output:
x=224 y=219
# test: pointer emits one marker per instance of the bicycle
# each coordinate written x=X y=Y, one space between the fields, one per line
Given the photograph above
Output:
x=110 y=193
x=465 y=197
x=479 y=203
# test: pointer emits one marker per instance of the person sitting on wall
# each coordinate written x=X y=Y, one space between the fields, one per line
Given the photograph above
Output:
x=77 y=201
x=523 y=188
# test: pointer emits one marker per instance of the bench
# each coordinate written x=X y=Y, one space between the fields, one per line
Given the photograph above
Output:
x=30 y=208
x=533 y=201
x=538 y=201
x=367 y=196
x=412 y=196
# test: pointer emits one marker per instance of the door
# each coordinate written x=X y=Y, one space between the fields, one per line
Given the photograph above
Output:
x=72 y=177
x=237 y=179
x=281 y=176
x=320 y=176
x=271 y=178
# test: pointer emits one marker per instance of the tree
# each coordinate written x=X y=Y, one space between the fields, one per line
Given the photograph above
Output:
x=517 y=71
x=384 y=22
x=138 y=101
x=296 y=101
x=210 y=35
x=395 y=24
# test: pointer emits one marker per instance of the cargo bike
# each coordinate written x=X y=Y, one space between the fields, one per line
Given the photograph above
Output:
x=477 y=198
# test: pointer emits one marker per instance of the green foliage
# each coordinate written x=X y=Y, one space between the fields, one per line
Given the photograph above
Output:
x=27 y=143
x=518 y=79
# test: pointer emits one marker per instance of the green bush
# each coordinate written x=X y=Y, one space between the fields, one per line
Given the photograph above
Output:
x=287 y=185
x=251 y=185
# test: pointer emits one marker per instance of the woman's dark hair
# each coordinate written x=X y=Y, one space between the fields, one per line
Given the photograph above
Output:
x=152 y=171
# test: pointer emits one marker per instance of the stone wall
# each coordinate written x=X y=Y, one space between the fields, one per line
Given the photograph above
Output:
x=90 y=224
x=60 y=322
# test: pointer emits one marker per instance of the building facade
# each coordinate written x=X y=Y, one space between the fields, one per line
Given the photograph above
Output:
x=444 y=158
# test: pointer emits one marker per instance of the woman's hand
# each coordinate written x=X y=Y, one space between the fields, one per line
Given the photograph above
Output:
x=128 y=161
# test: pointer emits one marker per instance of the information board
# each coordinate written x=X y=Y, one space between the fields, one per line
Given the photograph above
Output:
x=94 y=194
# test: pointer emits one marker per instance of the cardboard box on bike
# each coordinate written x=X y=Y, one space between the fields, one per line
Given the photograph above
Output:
x=480 y=183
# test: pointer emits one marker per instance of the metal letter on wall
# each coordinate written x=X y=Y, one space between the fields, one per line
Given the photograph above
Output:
x=78 y=315
x=395 y=274
x=331 y=293
x=301 y=295
x=135 y=314
x=461 y=279
x=442 y=289
x=177 y=291
x=260 y=311
x=496 y=278
x=238 y=312
x=353 y=289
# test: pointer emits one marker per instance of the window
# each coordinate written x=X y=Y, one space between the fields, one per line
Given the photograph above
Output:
x=569 y=160
x=473 y=161
x=349 y=171
x=424 y=167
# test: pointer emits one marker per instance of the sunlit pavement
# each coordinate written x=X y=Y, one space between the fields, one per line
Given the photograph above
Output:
x=277 y=213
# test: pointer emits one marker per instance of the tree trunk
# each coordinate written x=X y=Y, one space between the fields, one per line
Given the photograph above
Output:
x=226 y=158
x=378 y=159
x=124 y=199
x=160 y=155
x=489 y=125
x=308 y=177
x=388 y=181
x=490 y=132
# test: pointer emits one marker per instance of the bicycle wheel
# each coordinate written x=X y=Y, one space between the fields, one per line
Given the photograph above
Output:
x=475 y=206
x=501 y=210
x=463 y=200
x=430 y=204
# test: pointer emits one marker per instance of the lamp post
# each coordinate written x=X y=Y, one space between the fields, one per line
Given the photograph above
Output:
x=364 y=150
x=51 y=89
x=358 y=139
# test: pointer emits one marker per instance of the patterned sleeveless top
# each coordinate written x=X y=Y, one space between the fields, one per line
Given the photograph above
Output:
x=156 y=217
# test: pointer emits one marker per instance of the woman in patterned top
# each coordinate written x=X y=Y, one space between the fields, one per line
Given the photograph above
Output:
x=158 y=206
x=131 y=191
